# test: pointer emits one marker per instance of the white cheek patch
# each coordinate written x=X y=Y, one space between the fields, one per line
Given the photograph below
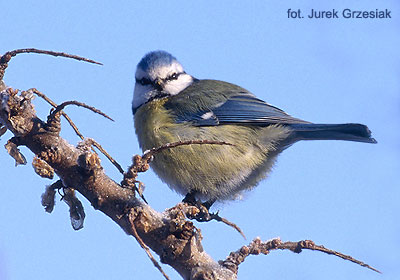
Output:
x=174 y=87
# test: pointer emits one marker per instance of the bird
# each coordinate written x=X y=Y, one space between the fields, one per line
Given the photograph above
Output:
x=170 y=105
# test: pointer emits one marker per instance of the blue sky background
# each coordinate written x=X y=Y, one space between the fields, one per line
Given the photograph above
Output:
x=343 y=195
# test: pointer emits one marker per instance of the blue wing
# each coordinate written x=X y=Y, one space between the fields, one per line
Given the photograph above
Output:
x=208 y=108
x=210 y=103
x=246 y=108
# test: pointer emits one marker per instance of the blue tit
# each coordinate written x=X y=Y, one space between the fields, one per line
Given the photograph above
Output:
x=170 y=105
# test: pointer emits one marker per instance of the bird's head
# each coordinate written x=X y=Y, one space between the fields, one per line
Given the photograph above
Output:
x=158 y=75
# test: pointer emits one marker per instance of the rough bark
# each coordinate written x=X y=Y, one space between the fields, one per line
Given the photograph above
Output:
x=169 y=234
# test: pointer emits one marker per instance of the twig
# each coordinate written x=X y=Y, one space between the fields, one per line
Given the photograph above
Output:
x=52 y=103
x=60 y=107
x=148 y=154
x=4 y=59
x=75 y=128
x=257 y=247
x=131 y=220
x=8 y=55
x=215 y=216
x=310 y=245
x=107 y=155
x=77 y=103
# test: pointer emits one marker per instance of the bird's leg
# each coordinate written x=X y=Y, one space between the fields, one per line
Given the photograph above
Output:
x=208 y=203
x=204 y=215
x=190 y=198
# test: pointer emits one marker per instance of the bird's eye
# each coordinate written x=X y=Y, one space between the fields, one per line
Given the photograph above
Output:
x=174 y=76
x=143 y=81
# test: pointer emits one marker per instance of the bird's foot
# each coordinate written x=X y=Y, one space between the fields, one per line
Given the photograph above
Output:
x=190 y=198
x=204 y=214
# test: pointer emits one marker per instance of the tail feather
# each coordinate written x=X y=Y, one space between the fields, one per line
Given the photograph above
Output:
x=348 y=132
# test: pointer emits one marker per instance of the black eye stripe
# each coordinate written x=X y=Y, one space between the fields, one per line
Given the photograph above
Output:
x=145 y=81
x=174 y=76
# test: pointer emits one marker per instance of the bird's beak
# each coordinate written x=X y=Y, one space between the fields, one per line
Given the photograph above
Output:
x=158 y=83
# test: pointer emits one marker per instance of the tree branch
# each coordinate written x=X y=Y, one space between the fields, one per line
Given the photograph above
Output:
x=169 y=234
x=257 y=247
x=4 y=59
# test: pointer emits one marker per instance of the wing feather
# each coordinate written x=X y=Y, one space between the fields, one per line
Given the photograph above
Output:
x=210 y=103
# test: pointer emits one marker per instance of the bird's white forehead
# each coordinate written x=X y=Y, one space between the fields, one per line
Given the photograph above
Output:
x=159 y=71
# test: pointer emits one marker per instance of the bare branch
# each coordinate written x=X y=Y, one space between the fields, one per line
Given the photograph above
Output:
x=4 y=59
x=257 y=247
x=175 y=240
x=310 y=245
x=131 y=220
x=216 y=217
x=75 y=128
x=148 y=154
x=52 y=103
x=7 y=56
x=77 y=103
x=106 y=154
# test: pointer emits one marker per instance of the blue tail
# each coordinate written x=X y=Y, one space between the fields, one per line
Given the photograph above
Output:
x=348 y=132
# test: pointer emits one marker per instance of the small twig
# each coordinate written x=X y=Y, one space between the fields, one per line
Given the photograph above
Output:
x=310 y=245
x=75 y=128
x=32 y=50
x=77 y=103
x=257 y=247
x=52 y=103
x=107 y=155
x=215 y=216
x=131 y=220
x=59 y=109
x=148 y=154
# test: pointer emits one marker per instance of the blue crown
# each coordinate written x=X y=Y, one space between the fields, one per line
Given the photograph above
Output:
x=156 y=59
